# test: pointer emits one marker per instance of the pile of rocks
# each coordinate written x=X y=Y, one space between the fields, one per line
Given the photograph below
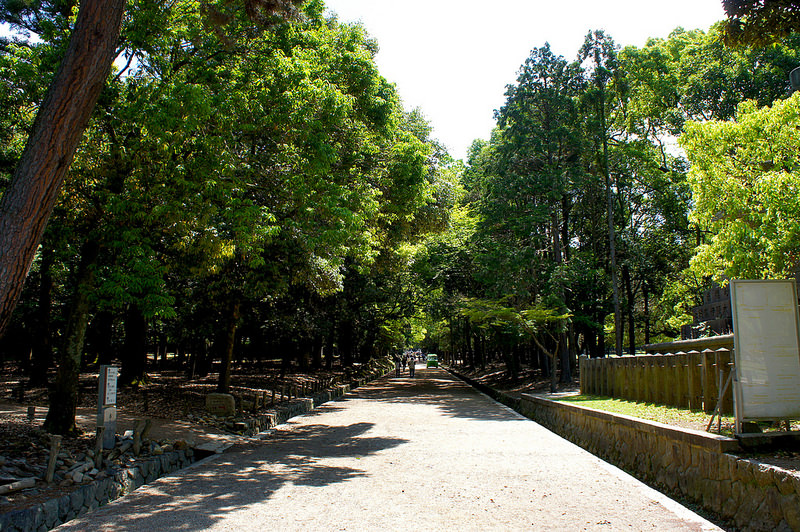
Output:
x=79 y=485
x=23 y=480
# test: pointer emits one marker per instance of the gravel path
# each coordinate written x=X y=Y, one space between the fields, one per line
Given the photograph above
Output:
x=427 y=453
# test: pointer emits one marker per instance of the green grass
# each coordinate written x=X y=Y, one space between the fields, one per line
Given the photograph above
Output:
x=663 y=414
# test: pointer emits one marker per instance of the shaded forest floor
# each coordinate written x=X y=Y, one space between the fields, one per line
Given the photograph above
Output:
x=167 y=395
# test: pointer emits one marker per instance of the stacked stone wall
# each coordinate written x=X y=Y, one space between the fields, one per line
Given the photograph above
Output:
x=91 y=496
x=699 y=466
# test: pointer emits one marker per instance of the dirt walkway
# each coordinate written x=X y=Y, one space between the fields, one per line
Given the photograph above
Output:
x=400 y=454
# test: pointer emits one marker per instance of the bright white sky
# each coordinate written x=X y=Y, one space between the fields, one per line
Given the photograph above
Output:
x=454 y=58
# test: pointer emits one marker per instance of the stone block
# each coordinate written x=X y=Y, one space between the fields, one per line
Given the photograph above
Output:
x=671 y=477
x=76 y=498
x=727 y=467
x=772 y=503
x=221 y=404
x=744 y=472
x=711 y=495
x=791 y=512
x=729 y=508
x=89 y=493
x=725 y=492
x=684 y=482
x=762 y=519
x=745 y=510
x=762 y=474
x=710 y=465
x=64 y=506
x=784 y=482
x=50 y=508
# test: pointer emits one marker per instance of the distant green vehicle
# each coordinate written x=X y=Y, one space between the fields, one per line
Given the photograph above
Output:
x=433 y=361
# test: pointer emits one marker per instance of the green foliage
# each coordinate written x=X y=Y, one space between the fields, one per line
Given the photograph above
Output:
x=744 y=177
x=276 y=169
x=759 y=22
x=487 y=313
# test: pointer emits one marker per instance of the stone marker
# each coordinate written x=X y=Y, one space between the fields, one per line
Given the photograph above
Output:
x=221 y=404
x=107 y=404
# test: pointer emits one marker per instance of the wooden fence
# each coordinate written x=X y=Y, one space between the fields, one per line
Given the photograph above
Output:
x=685 y=379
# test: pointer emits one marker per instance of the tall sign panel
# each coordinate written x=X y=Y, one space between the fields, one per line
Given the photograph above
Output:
x=766 y=350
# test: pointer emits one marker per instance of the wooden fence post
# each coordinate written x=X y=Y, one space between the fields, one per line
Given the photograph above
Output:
x=640 y=378
x=602 y=375
x=695 y=380
x=668 y=379
x=583 y=368
x=723 y=361
x=616 y=382
x=682 y=380
x=709 y=381
x=661 y=370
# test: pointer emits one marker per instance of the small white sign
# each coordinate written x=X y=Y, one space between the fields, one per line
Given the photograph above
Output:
x=110 y=381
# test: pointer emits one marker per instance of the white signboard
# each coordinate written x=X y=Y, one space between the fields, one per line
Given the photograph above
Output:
x=108 y=383
x=766 y=350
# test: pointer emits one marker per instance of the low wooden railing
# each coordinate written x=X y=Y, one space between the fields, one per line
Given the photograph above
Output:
x=684 y=379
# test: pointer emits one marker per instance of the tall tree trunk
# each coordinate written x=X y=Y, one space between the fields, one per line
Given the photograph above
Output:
x=27 y=203
x=563 y=350
x=601 y=340
x=317 y=347
x=102 y=329
x=134 y=356
x=626 y=277
x=224 y=384
x=612 y=236
x=328 y=352
x=42 y=343
x=646 y=297
x=64 y=397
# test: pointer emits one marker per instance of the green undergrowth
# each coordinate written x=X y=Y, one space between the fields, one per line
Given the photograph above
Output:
x=663 y=414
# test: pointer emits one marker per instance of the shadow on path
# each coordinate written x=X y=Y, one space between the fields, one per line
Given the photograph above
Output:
x=436 y=387
x=204 y=494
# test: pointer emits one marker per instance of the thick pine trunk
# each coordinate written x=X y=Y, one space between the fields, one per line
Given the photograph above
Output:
x=64 y=397
x=27 y=203
x=626 y=276
x=646 y=297
x=563 y=351
x=224 y=384
x=134 y=352
x=42 y=355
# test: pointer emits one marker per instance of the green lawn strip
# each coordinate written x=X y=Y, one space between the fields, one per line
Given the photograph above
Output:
x=663 y=414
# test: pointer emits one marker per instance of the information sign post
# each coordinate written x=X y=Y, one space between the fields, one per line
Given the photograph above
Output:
x=107 y=404
x=766 y=350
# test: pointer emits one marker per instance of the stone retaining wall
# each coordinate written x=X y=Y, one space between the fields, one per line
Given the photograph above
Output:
x=699 y=466
x=91 y=496
x=296 y=407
